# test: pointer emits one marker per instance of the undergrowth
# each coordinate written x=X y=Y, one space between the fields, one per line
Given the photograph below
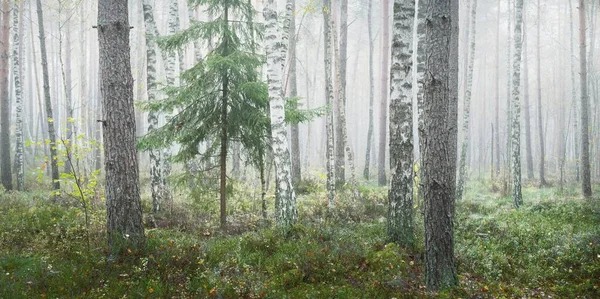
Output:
x=549 y=247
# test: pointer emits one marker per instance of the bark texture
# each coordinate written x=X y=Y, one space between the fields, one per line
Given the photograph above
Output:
x=275 y=49
x=516 y=107
x=329 y=100
x=124 y=210
x=400 y=196
x=5 y=165
x=20 y=148
x=439 y=152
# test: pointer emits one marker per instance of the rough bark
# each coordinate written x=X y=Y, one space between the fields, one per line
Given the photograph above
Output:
x=124 y=210
x=586 y=184
x=275 y=41
x=400 y=196
x=151 y=85
x=440 y=139
x=383 y=108
x=16 y=46
x=516 y=107
x=5 y=165
x=47 y=100
x=367 y=170
x=329 y=101
x=467 y=102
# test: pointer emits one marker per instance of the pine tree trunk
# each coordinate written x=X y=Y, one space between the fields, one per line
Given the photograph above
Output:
x=275 y=41
x=439 y=153
x=327 y=31
x=586 y=184
x=151 y=85
x=295 y=130
x=467 y=102
x=124 y=210
x=516 y=107
x=20 y=148
x=528 y=155
x=383 y=108
x=367 y=170
x=400 y=197
x=5 y=166
x=539 y=102
x=47 y=100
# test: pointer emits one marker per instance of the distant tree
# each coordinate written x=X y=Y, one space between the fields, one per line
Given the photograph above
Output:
x=367 y=170
x=497 y=94
x=526 y=106
x=47 y=100
x=5 y=166
x=293 y=92
x=516 y=107
x=124 y=209
x=440 y=121
x=385 y=76
x=400 y=196
x=585 y=104
x=539 y=102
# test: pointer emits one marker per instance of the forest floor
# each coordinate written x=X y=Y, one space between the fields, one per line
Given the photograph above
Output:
x=549 y=248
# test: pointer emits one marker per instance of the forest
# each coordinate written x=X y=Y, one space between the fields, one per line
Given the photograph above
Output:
x=299 y=149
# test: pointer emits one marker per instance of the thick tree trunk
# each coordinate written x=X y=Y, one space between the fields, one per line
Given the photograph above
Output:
x=539 y=102
x=440 y=139
x=151 y=85
x=124 y=210
x=47 y=100
x=383 y=108
x=286 y=210
x=16 y=55
x=367 y=170
x=467 y=102
x=400 y=197
x=516 y=107
x=586 y=184
x=329 y=101
x=5 y=165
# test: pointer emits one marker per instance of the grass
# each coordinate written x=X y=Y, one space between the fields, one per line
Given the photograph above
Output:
x=549 y=247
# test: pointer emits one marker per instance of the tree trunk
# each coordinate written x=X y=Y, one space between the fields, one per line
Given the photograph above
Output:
x=275 y=41
x=467 y=102
x=124 y=209
x=329 y=101
x=5 y=166
x=151 y=85
x=497 y=116
x=367 y=170
x=340 y=53
x=20 y=148
x=539 y=95
x=439 y=153
x=529 y=155
x=516 y=107
x=586 y=184
x=383 y=108
x=47 y=100
x=400 y=197
x=295 y=130
x=67 y=81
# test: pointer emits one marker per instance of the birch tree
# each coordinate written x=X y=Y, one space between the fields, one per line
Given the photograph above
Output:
x=20 y=148
x=5 y=165
x=467 y=102
x=275 y=48
x=383 y=104
x=516 y=107
x=400 y=196
x=329 y=100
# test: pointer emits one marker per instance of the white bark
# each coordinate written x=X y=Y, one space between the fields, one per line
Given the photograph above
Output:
x=329 y=101
x=275 y=49
x=18 y=99
x=516 y=107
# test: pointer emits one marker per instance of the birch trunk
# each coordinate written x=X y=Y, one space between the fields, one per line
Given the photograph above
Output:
x=586 y=184
x=47 y=100
x=467 y=102
x=20 y=148
x=440 y=139
x=5 y=166
x=275 y=48
x=516 y=107
x=329 y=101
x=400 y=197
